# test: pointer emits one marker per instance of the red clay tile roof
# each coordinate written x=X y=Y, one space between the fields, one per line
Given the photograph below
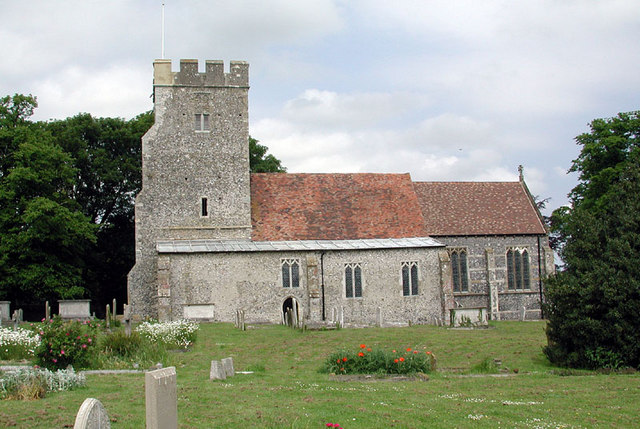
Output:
x=477 y=208
x=334 y=207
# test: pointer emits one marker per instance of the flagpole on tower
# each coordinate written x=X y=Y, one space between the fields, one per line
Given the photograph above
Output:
x=162 y=42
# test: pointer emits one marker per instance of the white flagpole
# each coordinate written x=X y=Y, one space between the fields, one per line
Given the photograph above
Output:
x=162 y=43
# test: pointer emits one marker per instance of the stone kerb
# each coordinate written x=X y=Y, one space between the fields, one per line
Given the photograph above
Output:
x=92 y=415
x=161 y=398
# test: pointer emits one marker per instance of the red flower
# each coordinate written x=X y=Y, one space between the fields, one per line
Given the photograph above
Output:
x=369 y=349
x=344 y=359
x=428 y=353
x=360 y=354
x=362 y=346
x=401 y=359
x=409 y=349
x=393 y=351
x=415 y=352
x=395 y=360
x=338 y=360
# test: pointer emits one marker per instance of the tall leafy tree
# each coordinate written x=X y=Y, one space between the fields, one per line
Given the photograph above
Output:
x=592 y=304
x=43 y=234
x=106 y=154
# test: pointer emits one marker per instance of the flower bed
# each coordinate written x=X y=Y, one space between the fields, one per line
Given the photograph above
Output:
x=18 y=344
x=366 y=360
x=179 y=334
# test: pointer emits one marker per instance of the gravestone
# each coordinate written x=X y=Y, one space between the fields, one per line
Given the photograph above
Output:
x=161 y=398
x=47 y=311
x=5 y=314
x=227 y=364
x=107 y=316
x=92 y=415
x=240 y=320
x=74 y=308
x=378 y=317
x=217 y=371
x=127 y=320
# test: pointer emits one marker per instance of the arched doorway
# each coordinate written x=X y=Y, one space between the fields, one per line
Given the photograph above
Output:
x=290 y=312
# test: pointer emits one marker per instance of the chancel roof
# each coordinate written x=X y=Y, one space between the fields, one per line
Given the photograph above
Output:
x=334 y=207
x=478 y=208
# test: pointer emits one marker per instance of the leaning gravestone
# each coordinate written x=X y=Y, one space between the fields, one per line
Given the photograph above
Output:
x=217 y=371
x=227 y=364
x=92 y=415
x=161 y=398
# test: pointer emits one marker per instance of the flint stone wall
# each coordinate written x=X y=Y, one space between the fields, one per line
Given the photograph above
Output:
x=482 y=276
x=181 y=165
x=252 y=281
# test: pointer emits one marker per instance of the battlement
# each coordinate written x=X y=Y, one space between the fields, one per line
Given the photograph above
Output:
x=188 y=75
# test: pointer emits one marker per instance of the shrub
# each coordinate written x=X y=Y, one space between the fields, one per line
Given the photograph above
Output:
x=178 y=334
x=120 y=344
x=66 y=343
x=33 y=383
x=364 y=360
x=18 y=344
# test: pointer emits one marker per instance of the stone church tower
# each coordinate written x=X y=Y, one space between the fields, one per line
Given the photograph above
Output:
x=195 y=171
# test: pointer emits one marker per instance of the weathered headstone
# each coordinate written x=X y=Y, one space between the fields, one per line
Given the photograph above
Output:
x=227 y=364
x=127 y=320
x=217 y=371
x=113 y=310
x=47 y=311
x=240 y=320
x=161 y=398
x=5 y=313
x=74 y=308
x=107 y=316
x=92 y=415
x=16 y=318
x=378 y=317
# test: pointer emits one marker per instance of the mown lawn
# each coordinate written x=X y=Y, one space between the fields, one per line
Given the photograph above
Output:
x=286 y=389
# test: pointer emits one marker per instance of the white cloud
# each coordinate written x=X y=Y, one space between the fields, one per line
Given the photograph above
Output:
x=332 y=132
x=119 y=91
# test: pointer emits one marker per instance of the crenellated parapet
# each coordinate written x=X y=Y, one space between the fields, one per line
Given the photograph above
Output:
x=214 y=75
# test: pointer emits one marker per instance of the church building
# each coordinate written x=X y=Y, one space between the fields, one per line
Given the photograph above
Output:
x=355 y=249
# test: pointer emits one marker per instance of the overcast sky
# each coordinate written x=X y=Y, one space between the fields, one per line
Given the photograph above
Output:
x=445 y=90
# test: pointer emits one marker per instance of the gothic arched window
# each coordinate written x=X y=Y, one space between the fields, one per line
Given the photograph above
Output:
x=518 y=277
x=459 y=270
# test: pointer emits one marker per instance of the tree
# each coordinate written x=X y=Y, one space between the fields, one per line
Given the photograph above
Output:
x=44 y=235
x=106 y=154
x=14 y=114
x=259 y=162
x=592 y=304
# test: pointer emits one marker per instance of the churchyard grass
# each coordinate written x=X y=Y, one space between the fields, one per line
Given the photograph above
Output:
x=287 y=389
